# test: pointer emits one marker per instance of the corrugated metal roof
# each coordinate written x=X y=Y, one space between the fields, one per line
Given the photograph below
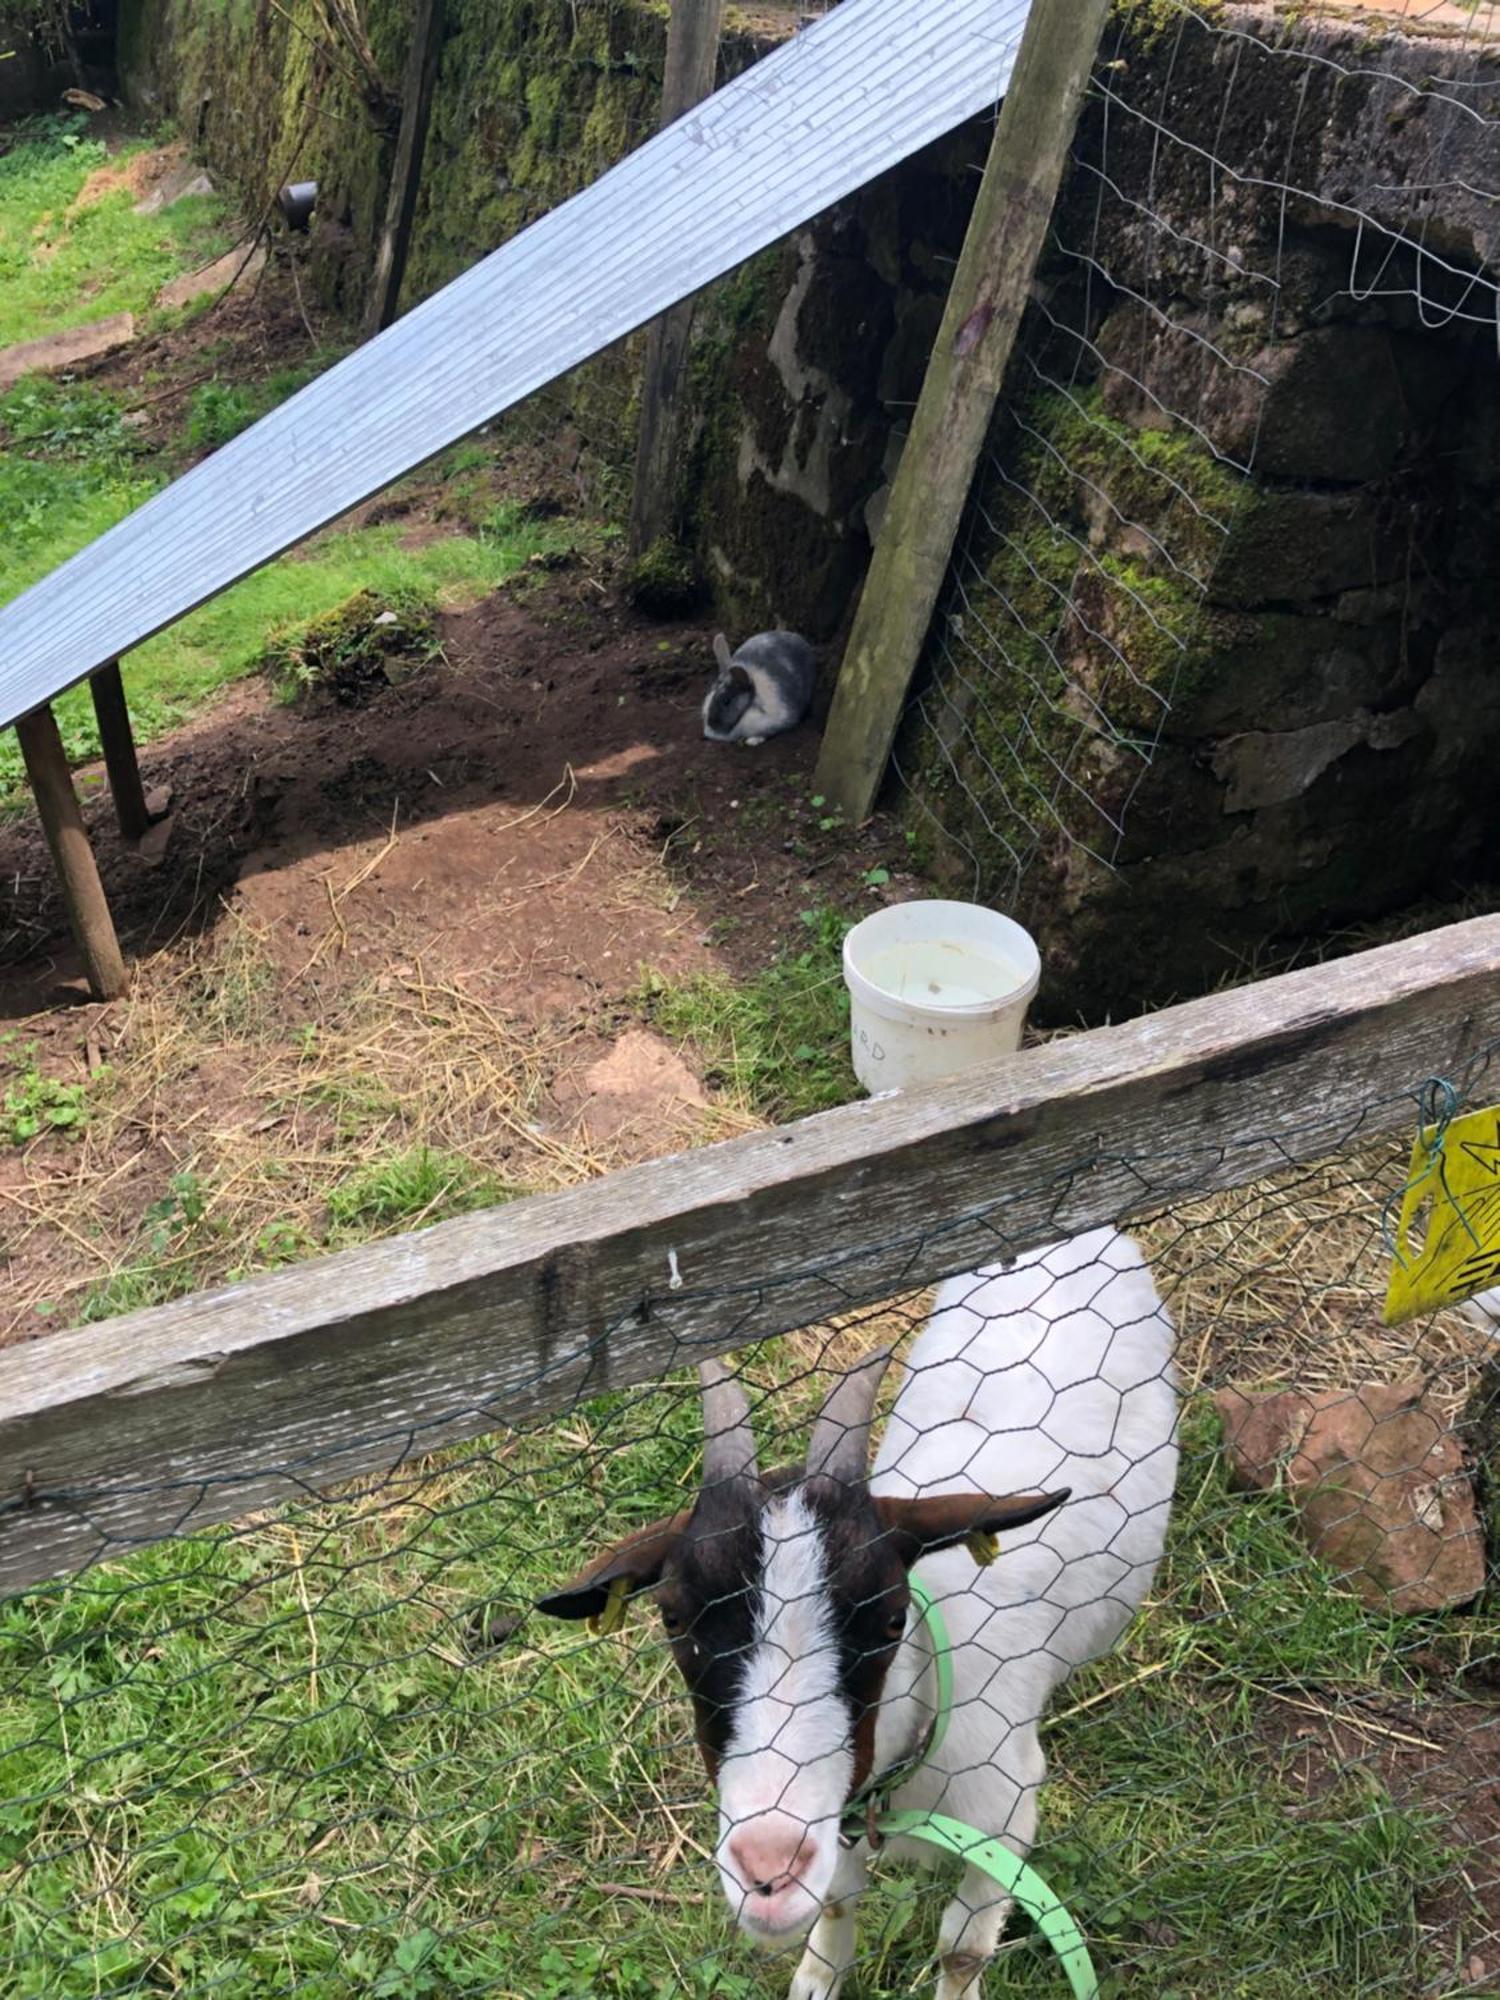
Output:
x=861 y=90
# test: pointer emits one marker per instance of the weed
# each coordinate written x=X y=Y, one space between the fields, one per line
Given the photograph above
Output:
x=411 y=1187
x=779 y=1041
x=218 y=411
x=34 y=1103
x=175 y=1233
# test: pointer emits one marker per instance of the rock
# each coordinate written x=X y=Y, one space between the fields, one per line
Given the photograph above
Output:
x=640 y=1083
x=1268 y=766
x=65 y=350
x=159 y=801
x=184 y=179
x=1379 y=1481
x=153 y=843
x=236 y=267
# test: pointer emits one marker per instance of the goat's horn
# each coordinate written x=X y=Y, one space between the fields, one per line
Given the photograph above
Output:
x=840 y=1444
x=729 y=1442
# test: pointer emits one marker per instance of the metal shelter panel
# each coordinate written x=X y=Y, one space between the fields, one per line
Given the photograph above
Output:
x=868 y=85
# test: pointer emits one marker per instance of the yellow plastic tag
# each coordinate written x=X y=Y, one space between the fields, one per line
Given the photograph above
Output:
x=1448 y=1234
x=612 y=1617
x=982 y=1547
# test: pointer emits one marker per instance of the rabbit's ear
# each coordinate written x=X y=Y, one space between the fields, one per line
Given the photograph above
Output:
x=721 y=651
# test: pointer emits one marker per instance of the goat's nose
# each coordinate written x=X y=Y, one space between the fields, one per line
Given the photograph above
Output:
x=768 y=1859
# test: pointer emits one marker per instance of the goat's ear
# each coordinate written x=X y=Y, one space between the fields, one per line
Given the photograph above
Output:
x=942 y=1520
x=631 y=1565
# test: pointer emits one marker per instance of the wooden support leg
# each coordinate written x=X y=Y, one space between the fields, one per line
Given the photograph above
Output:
x=120 y=760
x=693 y=33
x=57 y=804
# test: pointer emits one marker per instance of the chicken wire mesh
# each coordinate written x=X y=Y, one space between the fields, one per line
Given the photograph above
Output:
x=332 y=1748
x=1225 y=494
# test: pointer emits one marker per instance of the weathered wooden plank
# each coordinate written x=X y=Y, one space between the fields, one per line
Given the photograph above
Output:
x=693 y=34
x=988 y=295
x=117 y=740
x=200 y=1411
x=77 y=872
x=417 y=86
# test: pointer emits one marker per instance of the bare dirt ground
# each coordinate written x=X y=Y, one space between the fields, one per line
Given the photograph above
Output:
x=455 y=887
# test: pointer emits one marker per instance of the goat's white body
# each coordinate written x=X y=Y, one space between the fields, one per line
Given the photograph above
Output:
x=1057 y=1372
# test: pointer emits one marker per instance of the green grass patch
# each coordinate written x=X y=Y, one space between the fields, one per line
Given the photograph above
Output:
x=410 y=1188
x=63 y=263
x=777 y=1042
x=305 y=1767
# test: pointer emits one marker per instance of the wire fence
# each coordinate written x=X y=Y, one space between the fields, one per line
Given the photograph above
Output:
x=1212 y=602
x=333 y=1749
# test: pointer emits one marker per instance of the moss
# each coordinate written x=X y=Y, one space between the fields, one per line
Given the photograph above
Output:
x=1063 y=649
x=1148 y=23
x=664 y=582
x=353 y=650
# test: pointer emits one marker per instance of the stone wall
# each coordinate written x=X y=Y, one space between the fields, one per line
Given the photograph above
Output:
x=1222 y=668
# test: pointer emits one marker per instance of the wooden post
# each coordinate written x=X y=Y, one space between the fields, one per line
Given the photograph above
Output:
x=417 y=85
x=692 y=57
x=57 y=806
x=990 y=288
x=118 y=744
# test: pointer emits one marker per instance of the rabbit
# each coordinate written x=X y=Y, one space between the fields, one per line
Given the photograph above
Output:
x=763 y=689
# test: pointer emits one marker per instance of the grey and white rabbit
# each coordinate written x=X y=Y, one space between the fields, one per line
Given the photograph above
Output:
x=762 y=689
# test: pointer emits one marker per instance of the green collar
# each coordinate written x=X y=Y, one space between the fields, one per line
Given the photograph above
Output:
x=869 y=1815
x=862 y=1813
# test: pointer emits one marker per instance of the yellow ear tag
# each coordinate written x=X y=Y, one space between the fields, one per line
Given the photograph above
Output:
x=612 y=1617
x=982 y=1547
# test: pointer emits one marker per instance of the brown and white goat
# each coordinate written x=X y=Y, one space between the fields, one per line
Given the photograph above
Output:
x=787 y=1603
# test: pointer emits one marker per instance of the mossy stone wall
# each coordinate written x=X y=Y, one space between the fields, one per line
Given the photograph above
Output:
x=1216 y=671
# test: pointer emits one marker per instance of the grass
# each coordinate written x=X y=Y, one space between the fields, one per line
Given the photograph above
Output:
x=407 y=1190
x=66 y=261
x=286 y=1759
x=778 y=1042
x=78 y=486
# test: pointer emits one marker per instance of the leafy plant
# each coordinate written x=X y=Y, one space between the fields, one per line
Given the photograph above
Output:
x=217 y=411
x=35 y=1103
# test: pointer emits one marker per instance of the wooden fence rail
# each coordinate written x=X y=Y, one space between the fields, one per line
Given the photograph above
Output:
x=204 y=1410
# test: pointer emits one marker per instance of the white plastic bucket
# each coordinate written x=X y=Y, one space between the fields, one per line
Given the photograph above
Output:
x=933 y=988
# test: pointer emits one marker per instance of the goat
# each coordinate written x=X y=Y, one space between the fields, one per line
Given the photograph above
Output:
x=787 y=1604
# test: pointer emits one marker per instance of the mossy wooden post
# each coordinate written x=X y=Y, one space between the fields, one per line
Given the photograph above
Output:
x=990 y=287
x=83 y=893
x=417 y=86
x=118 y=743
x=692 y=58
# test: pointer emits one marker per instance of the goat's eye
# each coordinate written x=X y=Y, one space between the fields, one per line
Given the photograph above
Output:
x=895 y=1625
